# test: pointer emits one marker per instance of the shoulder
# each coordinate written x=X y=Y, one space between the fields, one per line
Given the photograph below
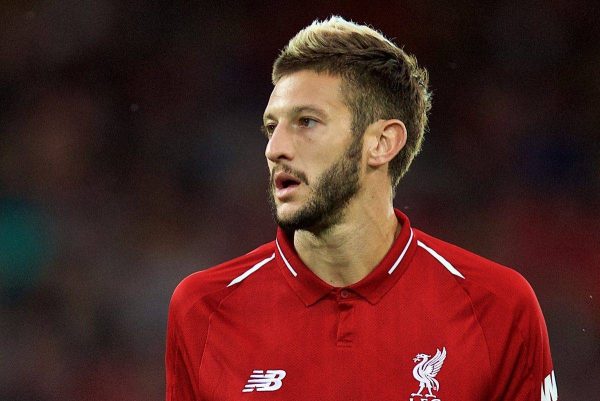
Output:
x=502 y=301
x=508 y=314
x=484 y=280
x=211 y=285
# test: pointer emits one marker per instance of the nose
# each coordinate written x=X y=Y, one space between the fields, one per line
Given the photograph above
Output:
x=280 y=145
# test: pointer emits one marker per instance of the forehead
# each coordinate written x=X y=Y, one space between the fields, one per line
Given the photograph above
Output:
x=306 y=89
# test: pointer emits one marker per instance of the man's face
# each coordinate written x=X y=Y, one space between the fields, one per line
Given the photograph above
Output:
x=313 y=157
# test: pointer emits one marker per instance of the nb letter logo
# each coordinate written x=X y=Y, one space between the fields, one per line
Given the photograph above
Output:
x=264 y=381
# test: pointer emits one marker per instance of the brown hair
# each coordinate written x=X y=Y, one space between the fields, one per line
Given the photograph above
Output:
x=380 y=80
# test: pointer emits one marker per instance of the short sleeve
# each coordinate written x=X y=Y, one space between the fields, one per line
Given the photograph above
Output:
x=519 y=337
x=178 y=382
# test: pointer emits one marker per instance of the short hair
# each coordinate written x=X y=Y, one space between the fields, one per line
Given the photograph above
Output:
x=380 y=80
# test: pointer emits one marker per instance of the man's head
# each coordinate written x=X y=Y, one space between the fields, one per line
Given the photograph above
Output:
x=380 y=80
x=334 y=82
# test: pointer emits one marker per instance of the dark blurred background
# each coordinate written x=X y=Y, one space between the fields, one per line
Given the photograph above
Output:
x=130 y=156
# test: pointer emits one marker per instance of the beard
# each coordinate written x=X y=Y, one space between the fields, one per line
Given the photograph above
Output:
x=332 y=192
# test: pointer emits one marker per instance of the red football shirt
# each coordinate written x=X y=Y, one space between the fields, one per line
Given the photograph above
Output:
x=430 y=322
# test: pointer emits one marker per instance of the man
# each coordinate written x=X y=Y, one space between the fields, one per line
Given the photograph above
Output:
x=350 y=302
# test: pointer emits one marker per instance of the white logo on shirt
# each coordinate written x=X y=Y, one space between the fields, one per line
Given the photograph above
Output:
x=549 y=389
x=425 y=372
x=261 y=381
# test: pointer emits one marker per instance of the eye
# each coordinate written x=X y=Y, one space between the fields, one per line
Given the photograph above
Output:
x=307 y=122
x=268 y=129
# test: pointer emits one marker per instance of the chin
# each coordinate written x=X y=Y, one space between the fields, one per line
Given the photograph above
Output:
x=286 y=212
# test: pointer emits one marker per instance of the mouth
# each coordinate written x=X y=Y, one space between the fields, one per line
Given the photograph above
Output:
x=284 y=184
x=284 y=181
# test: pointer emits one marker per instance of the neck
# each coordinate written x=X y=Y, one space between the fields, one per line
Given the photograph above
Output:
x=348 y=251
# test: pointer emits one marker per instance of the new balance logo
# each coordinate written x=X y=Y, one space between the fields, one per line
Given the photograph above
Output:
x=264 y=381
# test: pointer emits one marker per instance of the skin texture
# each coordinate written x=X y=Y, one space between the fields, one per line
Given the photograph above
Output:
x=331 y=193
x=341 y=210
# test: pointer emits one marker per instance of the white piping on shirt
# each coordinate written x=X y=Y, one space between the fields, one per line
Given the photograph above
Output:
x=440 y=259
x=397 y=262
x=285 y=260
x=248 y=272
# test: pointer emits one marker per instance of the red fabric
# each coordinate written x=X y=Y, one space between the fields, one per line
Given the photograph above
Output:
x=360 y=342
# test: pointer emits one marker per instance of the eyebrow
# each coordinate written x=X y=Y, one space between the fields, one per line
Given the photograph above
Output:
x=319 y=112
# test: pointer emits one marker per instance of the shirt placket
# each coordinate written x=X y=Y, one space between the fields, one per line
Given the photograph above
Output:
x=346 y=330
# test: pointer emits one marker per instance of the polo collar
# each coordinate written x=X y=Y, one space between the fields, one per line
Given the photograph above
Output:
x=310 y=288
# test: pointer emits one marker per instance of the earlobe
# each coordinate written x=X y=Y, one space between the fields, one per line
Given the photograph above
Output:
x=389 y=139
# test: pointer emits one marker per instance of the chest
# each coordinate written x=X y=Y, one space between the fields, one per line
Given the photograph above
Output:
x=344 y=348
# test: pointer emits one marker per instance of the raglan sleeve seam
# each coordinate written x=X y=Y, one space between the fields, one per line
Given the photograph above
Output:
x=485 y=337
x=179 y=311
x=208 y=322
x=523 y=338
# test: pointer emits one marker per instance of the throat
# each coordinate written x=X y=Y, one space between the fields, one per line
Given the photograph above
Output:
x=344 y=257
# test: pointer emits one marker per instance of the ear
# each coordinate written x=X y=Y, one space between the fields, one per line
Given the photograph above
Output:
x=386 y=140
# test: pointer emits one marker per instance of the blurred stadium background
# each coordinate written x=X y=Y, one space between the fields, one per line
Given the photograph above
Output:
x=130 y=156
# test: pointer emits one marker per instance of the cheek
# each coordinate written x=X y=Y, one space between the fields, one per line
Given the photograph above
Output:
x=316 y=171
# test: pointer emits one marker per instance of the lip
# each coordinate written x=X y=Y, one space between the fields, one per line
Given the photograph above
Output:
x=285 y=185
x=284 y=194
